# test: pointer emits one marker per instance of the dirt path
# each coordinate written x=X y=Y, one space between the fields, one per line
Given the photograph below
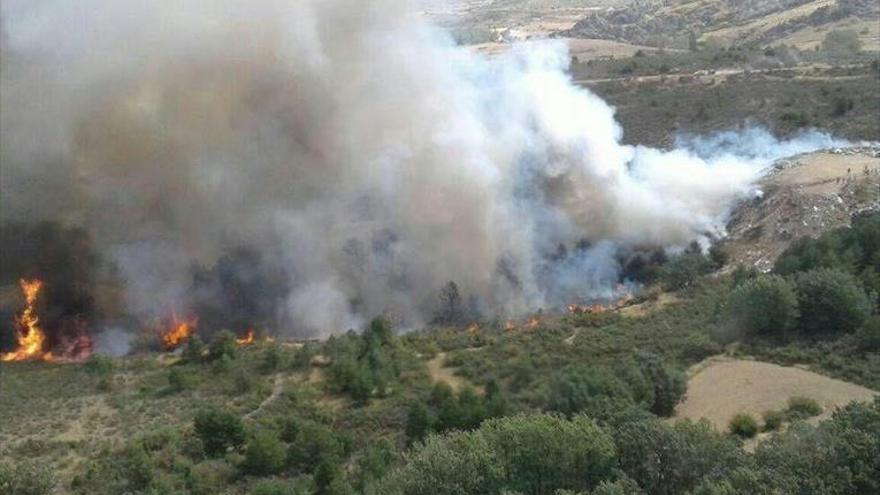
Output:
x=277 y=388
x=441 y=373
x=720 y=387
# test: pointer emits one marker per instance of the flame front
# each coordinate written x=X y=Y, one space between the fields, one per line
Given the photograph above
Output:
x=29 y=334
x=248 y=339
x=178 y=333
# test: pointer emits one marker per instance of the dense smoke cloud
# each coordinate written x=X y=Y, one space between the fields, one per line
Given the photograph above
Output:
x=365 y=157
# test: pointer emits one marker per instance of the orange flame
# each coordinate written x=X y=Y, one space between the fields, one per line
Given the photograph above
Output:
x=179 y=332
x=533 y=323
x=510 y=326
x=29 y=334
x=472 y=328
x=248 y=339
x=579 y=309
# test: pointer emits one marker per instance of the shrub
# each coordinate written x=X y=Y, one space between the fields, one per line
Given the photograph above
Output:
x=100 y=366
x=839 y=456
x=523 y=454
x=802 y=408
x=210 y=477
x=271 y=359
x=329 y=479
x=374 y=464
x=25 y=478
x=622 y=486
x=743 y=425
x=314 y=442
x=682 y=271
x=594 y=391
x=666 y=459
x=218 y=430
x=763 y=305
x=264 y=454
x=280 y=488
x=670 y=384
x=773 y=420
x=868 y=335
x=842 y=42
x=418 y=423
x=194 y=350
x=831 y=301
x=179 y=379
x=223 y=346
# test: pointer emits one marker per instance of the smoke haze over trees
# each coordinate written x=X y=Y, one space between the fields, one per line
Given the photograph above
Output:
x=364 y=157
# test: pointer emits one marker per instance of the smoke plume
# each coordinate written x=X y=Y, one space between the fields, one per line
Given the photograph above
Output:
x=365 y=157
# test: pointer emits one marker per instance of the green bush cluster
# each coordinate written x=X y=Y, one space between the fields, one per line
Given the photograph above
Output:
x=364 y=365
x=647 y=382
x=540 y=454
x=743 y=425
x=447 y=410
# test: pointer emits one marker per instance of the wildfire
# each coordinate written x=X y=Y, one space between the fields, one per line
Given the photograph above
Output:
x=533 y=323
x=597 y=308
x=29 y=334
x=178 y=332
x=472 y=328
x=510 y=326
x=248 y=339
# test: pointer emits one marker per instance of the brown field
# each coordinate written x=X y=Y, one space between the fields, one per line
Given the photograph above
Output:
x=719 y=388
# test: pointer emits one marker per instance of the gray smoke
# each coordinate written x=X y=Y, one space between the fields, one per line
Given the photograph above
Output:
x=368 y=157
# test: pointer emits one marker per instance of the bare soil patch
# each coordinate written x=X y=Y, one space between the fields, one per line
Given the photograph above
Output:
x=719 y=388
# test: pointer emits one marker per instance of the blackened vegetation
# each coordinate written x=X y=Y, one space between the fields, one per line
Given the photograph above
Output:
x=64 y=259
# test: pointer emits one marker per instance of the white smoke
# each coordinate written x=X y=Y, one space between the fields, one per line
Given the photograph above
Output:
x=355 y=142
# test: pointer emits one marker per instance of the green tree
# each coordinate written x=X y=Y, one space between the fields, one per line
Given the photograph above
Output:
x=682 y=271
x=314 y=442
x=418 y=423
x=831 y=301
x=223 y=346
x=218 y=430
x=670 y=384
x=264 y=454
x=544 y=452
x=329 y=479
x=594 y=391
x=868 y=335
x=374 y=464
x=450 y=310
x=840 y=456
x=842 y=42
x=763 y=305
x=526 y=454
x=666 y=460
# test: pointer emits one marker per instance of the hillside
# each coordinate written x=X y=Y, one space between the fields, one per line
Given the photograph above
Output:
x=671 y=23
x=804 y=197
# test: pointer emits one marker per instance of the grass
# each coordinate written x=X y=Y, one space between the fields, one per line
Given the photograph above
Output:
x=68 y=416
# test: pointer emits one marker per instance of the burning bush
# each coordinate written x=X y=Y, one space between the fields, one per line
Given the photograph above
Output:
x=55 y=266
